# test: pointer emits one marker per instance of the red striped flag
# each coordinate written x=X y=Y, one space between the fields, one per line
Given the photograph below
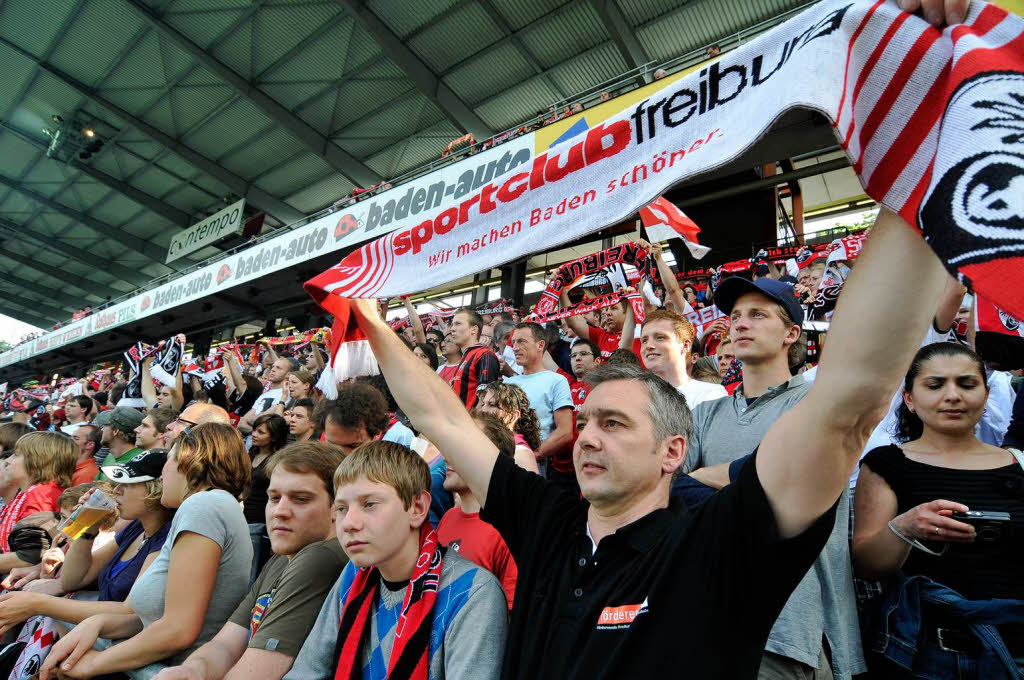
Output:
x=664 y=220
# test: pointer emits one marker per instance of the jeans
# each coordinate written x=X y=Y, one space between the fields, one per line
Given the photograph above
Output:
x=777 y=667
x=907 y=616
x=261 y=551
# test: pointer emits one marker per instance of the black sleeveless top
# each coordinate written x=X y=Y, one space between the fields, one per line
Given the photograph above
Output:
x=977 y=570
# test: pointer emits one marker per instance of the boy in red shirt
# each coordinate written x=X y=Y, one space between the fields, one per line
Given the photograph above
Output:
x=461 y=528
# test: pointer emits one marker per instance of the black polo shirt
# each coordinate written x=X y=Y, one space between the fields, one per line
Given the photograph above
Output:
x=687 y=594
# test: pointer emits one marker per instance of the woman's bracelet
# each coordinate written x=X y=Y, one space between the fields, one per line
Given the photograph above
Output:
x=914 y=543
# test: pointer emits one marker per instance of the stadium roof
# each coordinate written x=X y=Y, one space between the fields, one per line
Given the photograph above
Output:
x=288 y=103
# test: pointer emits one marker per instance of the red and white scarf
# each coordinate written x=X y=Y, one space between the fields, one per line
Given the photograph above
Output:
x=410 y=651
x=926 y=117
x=572 y=273
x=9 y=516
x=999 y=337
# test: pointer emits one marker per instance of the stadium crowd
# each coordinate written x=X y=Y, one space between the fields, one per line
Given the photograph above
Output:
x=801 y=471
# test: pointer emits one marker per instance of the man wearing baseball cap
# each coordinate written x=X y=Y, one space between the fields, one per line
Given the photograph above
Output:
x=144 y=466
x=118 y=426
x=766 y=324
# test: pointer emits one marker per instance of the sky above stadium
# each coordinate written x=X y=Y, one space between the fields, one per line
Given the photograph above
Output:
x=12 y=330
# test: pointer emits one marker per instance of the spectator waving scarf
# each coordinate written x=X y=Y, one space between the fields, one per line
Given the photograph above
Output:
x=572 y=273
x=168 y=361
x=133 y=357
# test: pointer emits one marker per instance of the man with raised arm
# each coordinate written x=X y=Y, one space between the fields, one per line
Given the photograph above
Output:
x=620 y=583
x=604 y=581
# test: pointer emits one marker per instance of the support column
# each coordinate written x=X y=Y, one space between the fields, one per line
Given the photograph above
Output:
x=480 y=294
x=513 y=281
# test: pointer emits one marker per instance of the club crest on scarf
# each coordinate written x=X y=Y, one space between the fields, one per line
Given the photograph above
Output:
x=426 y=578
x=978 y=200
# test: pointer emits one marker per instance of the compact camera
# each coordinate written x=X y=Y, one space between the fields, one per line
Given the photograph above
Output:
x=989 y=526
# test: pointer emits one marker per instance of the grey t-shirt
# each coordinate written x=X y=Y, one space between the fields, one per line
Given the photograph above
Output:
x=218 y=516
x=824 y=603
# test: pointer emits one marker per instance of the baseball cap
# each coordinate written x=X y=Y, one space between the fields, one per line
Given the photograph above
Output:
x=733 y=287
x=122 y=418
x=143 y=467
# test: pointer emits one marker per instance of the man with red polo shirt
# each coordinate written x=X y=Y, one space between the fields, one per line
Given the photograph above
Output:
x=608 y=335
x=461 y=528
x=479 y=364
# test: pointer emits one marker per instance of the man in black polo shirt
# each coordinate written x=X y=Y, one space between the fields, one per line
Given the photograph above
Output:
x=624 y=583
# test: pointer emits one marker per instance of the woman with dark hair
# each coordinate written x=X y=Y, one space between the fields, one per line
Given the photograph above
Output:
x=244 y=395
x=269 y=435
x=908 y=501
x=511 y=405
x=426 y=353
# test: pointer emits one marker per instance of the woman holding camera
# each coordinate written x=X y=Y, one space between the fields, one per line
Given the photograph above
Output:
x=942 y=513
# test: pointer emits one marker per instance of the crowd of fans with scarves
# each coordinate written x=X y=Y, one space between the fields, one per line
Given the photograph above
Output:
x=804 y=464
x=522 y=377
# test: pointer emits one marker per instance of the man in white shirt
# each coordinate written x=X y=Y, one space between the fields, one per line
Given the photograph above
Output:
x=547 y=391
x=666 y=340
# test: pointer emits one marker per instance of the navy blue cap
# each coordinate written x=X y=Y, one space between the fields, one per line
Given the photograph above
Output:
x=733 y=287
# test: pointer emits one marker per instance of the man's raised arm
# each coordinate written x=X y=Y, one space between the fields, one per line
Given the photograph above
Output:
x=431 y=404
x=805 y=460
x=577 y=324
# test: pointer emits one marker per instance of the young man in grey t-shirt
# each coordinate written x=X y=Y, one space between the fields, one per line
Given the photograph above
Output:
x=263 y=636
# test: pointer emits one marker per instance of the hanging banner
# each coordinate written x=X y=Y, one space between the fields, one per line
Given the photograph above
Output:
x=357 y=222
x=217 y=226
x=919 y=111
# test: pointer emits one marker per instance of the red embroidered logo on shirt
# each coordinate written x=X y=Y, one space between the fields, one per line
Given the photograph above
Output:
x=614 y=618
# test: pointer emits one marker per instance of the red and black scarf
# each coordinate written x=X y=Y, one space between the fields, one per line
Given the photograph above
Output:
x=410 y=652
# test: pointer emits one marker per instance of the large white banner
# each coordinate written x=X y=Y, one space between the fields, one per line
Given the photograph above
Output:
x=924 y=115
x=389 y=210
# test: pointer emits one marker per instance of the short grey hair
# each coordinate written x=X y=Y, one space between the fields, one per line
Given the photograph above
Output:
x=503 y=329
x=666 y=408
